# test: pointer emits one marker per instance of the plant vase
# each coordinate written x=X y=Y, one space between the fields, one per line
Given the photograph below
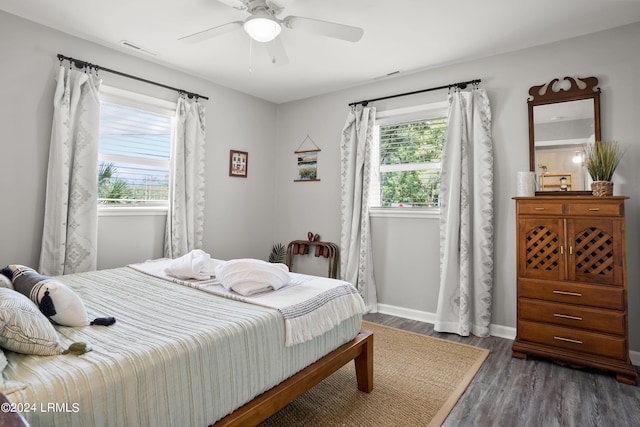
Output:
x=602 y=188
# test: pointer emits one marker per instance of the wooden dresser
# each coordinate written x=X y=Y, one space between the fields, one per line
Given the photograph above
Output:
x=572 y=282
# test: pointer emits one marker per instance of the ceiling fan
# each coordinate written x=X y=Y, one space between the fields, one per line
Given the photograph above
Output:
x=263 y=25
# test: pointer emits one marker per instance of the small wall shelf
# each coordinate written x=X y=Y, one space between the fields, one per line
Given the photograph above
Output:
x=553 y=180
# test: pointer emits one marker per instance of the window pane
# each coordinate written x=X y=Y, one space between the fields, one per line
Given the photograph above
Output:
x=410 y=157
x=131 y=183
x=135 y=147
x=412 y=142
x=410 y=188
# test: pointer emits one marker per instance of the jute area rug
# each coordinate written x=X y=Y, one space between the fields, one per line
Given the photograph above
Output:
x=417 y=381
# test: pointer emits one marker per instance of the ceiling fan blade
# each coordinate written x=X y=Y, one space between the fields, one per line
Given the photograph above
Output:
x=211 y=32
x=324 y=28
x=236 y=4
x=277 y=54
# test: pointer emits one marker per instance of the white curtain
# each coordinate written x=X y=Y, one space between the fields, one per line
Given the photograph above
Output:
x=356 y=259
x=185 y=219
x=466 y=217
x=69 y=238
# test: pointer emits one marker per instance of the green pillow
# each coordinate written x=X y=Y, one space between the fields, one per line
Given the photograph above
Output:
x=23 y=328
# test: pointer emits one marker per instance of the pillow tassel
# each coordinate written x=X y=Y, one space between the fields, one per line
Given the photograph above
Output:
x=103 y=321
x=46 y=305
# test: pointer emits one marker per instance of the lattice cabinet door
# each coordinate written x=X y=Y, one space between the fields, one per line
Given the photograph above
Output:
x=595 y=250
x=542 y=249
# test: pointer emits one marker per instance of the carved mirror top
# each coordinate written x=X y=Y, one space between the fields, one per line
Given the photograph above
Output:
x=564 y=115
x=546 y=94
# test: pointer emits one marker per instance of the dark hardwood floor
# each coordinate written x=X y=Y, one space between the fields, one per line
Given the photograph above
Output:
x=534 y=392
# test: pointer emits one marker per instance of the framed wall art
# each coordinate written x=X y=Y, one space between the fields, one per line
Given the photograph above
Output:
x=307 y=162
x=238 y=163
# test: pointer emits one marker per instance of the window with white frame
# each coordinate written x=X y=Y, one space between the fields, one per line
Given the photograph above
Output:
x=135 y=149
x=407 y=156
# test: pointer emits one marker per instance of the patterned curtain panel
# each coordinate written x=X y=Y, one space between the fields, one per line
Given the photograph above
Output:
x=356 y=259
x=185 y=219
x=466 y=217
x=69 y=240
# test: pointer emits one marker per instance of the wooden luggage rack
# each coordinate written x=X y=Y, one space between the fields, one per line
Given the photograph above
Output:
x=322 y=249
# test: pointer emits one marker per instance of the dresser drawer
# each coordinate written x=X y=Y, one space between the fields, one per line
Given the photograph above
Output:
x=573 y=339
x=532 y=207
x=593 y=209
x=595 y=319
x=573 y=293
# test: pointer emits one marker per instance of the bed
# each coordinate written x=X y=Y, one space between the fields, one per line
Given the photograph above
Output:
x=176 y=356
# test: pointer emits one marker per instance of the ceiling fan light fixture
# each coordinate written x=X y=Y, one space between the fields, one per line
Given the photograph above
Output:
x=262 y=27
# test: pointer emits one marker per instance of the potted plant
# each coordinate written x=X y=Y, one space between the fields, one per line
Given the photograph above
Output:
x=278 y=253
x=602 y=160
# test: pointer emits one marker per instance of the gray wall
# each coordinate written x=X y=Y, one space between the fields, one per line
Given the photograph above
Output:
x=245 y=216
x=406 y=250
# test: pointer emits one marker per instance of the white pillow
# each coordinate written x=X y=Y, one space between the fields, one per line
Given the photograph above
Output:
x=69 y=308
x=23 y=328
x=196 y=264
x=5 y=282
x=252 y=272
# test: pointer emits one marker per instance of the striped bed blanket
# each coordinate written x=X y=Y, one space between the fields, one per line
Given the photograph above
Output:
x=310 y=305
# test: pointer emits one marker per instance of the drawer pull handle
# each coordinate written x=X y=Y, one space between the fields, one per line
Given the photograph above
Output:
x=567 y=340
x=594 y=209
x=573 y=294
x=539 y=209
x=566 y=316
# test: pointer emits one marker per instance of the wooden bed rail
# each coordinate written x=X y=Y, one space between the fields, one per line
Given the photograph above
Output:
x=360 y=350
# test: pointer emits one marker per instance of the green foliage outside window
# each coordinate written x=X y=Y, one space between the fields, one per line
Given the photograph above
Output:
x=114 y=190
x=411 y=188
x=414 y=145
x=111 y=189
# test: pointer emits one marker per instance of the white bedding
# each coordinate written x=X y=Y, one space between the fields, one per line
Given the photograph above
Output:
x=175 y=357
x=310 y=305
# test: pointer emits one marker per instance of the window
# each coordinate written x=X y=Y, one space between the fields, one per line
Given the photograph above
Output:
x=408 y=153
x=135 y=148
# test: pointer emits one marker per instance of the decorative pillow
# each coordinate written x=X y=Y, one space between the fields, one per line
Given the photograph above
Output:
x=5 y=282
x=23 y=328
x=7 y=386
x=55 y=299
x=243 y=273
x=3 y=364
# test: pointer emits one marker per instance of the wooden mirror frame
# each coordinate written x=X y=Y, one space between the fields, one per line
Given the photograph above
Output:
x=545 y=94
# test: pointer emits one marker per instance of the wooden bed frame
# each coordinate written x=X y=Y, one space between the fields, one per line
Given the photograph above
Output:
x=360 y=350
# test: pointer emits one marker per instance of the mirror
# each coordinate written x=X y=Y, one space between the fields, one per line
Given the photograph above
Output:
x=563 y=117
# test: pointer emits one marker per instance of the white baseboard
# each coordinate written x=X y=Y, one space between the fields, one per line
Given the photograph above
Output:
x=407 y=313
x=496 y=330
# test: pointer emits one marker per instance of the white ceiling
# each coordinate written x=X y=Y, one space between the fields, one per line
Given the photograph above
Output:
x=399 y=35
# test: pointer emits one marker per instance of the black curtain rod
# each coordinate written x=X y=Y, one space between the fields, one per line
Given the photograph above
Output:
x=81 y=64
x=460 y=85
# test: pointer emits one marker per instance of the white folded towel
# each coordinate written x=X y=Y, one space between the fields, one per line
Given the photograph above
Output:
x=196 y=264
x=249 y=289
x=250 y=276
